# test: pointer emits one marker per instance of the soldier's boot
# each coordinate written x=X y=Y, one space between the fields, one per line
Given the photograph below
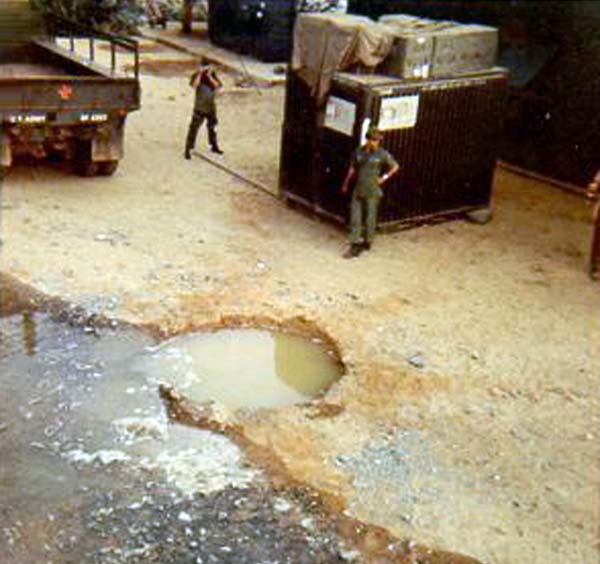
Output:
x=192 y=134
x=354 y=250
x=212 y=138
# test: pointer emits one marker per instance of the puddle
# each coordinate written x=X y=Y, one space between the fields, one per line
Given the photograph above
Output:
x=243 y=367
x=91 y=470
x=75 y=420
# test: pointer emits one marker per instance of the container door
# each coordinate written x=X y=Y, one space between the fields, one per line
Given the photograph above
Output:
x=299 y=143
x=445 y=135
x=340 y=136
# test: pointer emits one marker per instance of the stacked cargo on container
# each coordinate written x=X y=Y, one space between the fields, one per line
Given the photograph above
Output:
x=424 y=48
x=443 y=131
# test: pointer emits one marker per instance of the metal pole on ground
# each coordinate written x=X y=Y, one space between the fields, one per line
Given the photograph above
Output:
x=236 y=174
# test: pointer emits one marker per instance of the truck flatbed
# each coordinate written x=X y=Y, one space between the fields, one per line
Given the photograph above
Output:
x=26 y=70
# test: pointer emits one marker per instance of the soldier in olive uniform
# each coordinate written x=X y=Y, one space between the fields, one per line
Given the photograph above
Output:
x=372 y=166
x=156 y=14
x=206 y=83
x=592 y=193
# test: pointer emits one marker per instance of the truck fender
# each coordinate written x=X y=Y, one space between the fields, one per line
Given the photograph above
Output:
x=107 y=143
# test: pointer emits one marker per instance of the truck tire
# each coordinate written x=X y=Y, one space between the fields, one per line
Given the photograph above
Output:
x=86 y=168
x=107 y=168
x=83 y=163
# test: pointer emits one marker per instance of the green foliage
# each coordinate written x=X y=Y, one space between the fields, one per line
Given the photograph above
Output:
x=117 y=14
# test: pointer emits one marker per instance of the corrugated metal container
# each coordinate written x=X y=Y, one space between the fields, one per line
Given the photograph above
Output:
x=300 y=140
x=261 y=28
x=443 y=132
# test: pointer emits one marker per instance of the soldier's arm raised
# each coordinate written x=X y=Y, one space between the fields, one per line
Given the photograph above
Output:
x=214 y=80
x=196 y=78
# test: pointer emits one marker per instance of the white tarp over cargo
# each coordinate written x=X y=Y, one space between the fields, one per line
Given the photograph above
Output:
x=327 y=43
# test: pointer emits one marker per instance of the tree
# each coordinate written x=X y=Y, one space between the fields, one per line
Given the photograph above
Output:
x=187 y=16
x=91 y=13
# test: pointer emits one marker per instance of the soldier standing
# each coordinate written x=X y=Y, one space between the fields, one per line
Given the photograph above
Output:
x=155 y=14
x=368 y=163
x=592 y=193
x=205 y=82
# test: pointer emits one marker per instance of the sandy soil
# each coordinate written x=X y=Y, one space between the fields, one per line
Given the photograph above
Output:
x=488 y=447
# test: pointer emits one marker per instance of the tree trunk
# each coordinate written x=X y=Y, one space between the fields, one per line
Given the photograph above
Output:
x=187 y=16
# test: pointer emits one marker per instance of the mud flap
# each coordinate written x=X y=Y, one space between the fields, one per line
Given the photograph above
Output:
x=107 y=143
x=5 y=148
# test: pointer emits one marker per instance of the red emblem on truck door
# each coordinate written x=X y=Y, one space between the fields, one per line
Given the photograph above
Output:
x=65 y=92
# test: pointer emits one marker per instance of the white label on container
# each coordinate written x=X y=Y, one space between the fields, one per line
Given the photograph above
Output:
x=340 y=115
x=399 y=112
x=363 y=132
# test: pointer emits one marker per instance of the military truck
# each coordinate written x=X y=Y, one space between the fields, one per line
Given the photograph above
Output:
x=54 y=101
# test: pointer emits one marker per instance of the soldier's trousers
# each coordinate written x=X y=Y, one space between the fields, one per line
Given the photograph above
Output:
x=595 y=251
x=363 y=218
x=197 y=121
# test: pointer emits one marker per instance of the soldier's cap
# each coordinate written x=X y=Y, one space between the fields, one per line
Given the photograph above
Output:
x=374 y=133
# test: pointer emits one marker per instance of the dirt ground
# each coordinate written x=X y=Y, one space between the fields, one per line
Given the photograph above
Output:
x=470 y=404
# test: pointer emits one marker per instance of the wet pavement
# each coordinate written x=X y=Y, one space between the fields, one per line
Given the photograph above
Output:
x=92 y=471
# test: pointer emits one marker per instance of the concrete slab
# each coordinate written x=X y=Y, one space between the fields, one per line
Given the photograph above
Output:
x=198 y=44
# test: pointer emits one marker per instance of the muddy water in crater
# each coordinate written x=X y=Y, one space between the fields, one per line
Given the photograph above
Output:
x=92 y=472
x=75 y=422
x=244 y=367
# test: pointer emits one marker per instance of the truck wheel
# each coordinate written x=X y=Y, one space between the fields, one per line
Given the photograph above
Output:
x=86 y=168
x=83 y=164
x=107 y=168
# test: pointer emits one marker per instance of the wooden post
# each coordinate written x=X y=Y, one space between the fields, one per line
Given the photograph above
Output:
x=187 y=16
x=595 y=251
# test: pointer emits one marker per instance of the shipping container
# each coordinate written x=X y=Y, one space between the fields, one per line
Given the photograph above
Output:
x=443 y=132
x=260 y=28
x=552 y=49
